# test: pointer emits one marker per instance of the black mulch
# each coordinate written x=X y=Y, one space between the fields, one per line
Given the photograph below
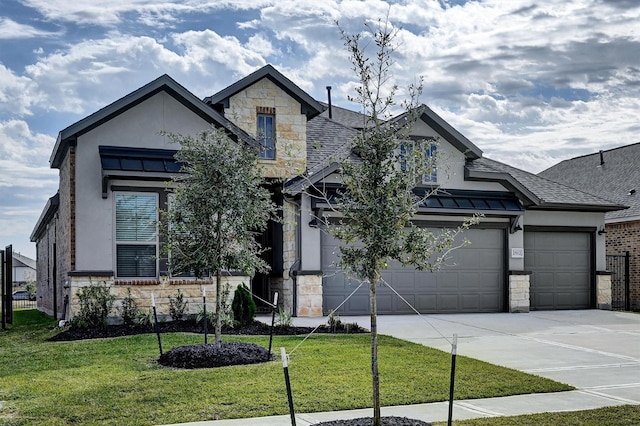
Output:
x=211 y=355
x=188 y=326
x=368 y=421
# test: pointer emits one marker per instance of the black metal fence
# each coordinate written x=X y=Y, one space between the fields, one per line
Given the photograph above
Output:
x=618 y=265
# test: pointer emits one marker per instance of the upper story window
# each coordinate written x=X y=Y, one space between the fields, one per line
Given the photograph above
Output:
x=267 y=132
x=430 y=158
x=136 y=236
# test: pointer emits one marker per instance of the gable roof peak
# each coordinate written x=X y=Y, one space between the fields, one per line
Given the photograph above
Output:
x=67 y=137
x=308 y=105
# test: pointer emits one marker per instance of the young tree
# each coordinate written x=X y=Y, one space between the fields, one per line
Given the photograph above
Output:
x=218 y=208
x=378 y=201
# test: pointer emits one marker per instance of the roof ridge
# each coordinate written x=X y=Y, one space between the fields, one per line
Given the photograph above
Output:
x=552 y=181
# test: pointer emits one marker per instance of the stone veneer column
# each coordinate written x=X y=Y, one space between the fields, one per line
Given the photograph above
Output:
x=603 y=290
x=309 y=295
x=519 y=300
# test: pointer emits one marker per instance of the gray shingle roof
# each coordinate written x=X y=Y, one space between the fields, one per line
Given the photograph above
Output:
x=538 y=191
x=614 y=179
x=344 y=116
x=327 y=142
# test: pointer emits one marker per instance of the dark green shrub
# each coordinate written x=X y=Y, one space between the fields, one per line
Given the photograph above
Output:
x=177 y=306
x=96 y=302
x=129 y=309
x=243 y=306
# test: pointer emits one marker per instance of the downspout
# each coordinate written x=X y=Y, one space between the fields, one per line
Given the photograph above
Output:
x=295 y=266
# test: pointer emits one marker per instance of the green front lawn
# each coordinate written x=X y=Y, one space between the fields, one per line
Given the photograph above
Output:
x=625 y=415
x=117 y=381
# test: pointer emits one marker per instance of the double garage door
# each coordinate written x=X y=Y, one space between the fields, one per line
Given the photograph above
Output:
x=474 y=278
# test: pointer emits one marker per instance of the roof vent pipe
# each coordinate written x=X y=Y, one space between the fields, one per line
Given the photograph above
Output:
x=329 y=101
x=601 y=158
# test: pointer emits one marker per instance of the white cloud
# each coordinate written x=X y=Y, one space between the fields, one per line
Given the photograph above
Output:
x=207 y=51
x=10 y=29
x=24 y=154
x=17 y=94
x=157 y=13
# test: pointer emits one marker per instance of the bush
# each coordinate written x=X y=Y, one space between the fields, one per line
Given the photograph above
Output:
x=243 y=306
x=96 y=302
x=283 y=319
x=177 y=306
x=129 y=309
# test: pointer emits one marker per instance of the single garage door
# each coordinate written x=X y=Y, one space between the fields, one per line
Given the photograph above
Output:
x=560 y=263
x=472 y=281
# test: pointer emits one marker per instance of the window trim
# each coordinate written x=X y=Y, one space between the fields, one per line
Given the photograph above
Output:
x=116 y=242
x=406 y=146
x=262 y=138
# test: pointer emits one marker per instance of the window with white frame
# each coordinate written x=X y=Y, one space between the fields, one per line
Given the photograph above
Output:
x=430 y=159
x=136 y=235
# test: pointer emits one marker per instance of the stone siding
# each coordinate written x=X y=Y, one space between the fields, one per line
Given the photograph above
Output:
x=289 y=254
x=623 y=237
x=309 y=295
x=162 y=290
x=603 y=291
x=519 y=300
x=291 y=126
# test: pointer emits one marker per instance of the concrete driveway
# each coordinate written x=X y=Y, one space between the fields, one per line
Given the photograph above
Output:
x=598 y=352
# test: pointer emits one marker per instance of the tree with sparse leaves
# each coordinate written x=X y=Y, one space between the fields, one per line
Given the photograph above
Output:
x=219 y=205
x=378 y=201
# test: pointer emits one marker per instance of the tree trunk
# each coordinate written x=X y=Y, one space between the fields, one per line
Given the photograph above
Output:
x=374 y=351
x=218 y=307
x=218 y=326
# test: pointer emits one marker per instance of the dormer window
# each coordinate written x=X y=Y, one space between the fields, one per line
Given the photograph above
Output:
x=267 y=132
x=430 y=160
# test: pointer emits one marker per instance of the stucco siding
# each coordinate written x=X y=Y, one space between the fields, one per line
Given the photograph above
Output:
x=138 y=127
x=569 y=220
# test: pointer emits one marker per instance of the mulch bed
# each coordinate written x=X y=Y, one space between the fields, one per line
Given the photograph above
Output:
x=188 y=326
x=212 y=355
x=368 y=421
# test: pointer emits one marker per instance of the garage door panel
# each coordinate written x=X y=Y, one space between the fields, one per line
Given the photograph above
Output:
x=426 y=303
x=403 y=281
x=475 y=271
x=560 y=263
x=448 y=303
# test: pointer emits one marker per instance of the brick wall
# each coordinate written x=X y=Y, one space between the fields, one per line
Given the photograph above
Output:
x=623 y=237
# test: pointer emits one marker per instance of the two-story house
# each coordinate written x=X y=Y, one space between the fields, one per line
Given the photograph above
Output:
x=536 y=247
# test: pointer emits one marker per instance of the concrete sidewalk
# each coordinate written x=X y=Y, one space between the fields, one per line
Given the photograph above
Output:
x=598 y=352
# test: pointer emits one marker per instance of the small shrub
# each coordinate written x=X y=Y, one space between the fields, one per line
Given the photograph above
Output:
x=334 y=321
x=31 y=290
x=144 y=318
x=96 y=302
x=129 y=309
x=177 y=306
x=283 y=319
x=211 y=318
x=244 y=308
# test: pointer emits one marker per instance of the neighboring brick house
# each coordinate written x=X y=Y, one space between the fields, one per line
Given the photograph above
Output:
x=536 y=247
x=615 y=175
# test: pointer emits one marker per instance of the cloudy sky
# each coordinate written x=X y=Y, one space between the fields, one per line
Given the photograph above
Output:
x=531 y=82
